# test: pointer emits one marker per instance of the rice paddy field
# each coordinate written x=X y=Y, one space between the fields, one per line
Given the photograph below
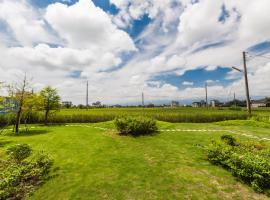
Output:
x=92 y=162
x=182 y=114
x=174 y=115
x=166 y=114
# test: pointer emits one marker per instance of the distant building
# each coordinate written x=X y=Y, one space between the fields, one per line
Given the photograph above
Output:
x=215 y=103
x=259 y=103
x=150 y=105
x=66 y=104
x=196 y=104
x=203 y=103
x=97 y=104
x=174 y=104
x=117 y=106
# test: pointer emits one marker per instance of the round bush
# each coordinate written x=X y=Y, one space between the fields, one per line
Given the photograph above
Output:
x=228 y=139
x=19 y=152
x=135 y=126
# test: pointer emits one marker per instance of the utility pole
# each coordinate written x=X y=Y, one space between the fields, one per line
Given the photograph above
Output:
x=87 y=94
x=246 y=83
x=142 y=99
x=234 y=99
x=206 y=95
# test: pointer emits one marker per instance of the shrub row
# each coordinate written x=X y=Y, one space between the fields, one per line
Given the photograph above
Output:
x=19 y=177
x=248 y=161
x=135 y=126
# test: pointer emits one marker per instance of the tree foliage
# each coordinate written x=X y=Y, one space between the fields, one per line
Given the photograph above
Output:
x=50 y=100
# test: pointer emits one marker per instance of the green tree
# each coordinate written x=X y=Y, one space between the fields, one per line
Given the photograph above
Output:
x=21 y=93
x=32 y=105
x=50 y=101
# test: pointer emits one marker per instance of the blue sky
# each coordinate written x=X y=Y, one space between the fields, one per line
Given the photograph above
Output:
x=165 y=48
x=198 y=77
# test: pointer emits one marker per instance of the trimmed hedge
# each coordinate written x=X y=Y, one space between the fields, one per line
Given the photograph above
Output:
x=135 y=126
x=248 y=161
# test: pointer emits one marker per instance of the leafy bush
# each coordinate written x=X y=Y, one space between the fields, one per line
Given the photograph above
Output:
x=19 y=152
x=228 y=139
x=248 y=161
x=19 y=179
x=135 y=126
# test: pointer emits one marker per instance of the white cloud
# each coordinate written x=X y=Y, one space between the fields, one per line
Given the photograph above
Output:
x=199 y=23
x=212 y=81
x=189 y=83
x=211 y=68
x=25 y=23
x=83 y=25
x=133 y=10
x=62 y=58
x=92 y=43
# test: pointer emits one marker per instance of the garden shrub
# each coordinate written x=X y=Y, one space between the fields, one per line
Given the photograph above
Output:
x=135 y=126
x=19 y=152
x=230 y=140
x=20 y=179
x=249 y=161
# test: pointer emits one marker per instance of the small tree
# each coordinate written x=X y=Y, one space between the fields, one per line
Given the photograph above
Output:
x=50 y=101
x=32 y=105
x=20 y=93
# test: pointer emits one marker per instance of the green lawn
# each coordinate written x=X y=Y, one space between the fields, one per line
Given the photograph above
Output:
x=97 y=164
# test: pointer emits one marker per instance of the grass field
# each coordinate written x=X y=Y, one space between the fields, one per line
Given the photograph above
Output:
x=94 y=163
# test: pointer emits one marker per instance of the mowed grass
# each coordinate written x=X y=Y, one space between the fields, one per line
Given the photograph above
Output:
x=97 y=164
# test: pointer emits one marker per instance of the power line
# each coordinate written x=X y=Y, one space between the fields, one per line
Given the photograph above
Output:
x=206 y=95
x=142 y=99
x=258 y=55
x=87 y=93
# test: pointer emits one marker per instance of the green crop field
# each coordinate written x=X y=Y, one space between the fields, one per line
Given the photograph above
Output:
x=163 y=114
x=174 y=115
x=153 y=111
x=94 y=163
x=181 y=114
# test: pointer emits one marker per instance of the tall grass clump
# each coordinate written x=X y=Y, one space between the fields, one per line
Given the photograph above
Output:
x=135 y=126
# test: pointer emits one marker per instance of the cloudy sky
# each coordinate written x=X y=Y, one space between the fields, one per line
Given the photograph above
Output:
x=167 y=49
